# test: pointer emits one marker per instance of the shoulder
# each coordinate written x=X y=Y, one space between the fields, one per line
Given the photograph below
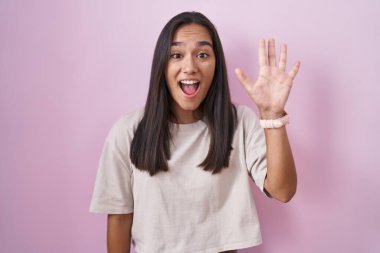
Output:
x=126 y=125
x=246 y=114
x=247 y=119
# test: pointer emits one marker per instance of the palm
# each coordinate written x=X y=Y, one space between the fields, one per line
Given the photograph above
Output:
x=272 y=88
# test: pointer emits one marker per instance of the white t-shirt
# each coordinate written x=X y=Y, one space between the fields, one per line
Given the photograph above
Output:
x=186 y=209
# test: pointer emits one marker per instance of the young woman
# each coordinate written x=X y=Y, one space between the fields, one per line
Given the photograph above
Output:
x=174 y=176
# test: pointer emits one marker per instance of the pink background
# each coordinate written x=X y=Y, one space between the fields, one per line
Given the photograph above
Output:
x=69 y=69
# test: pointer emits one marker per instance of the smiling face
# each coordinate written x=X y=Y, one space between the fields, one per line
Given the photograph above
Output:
x=190 y=70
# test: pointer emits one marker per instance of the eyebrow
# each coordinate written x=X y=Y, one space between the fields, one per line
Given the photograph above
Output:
x=199 y=43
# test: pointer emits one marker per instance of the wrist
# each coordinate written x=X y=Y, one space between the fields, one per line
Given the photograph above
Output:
x=268 y=115
x=278 y=122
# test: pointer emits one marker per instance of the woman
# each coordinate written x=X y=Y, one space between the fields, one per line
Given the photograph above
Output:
x=174 y=177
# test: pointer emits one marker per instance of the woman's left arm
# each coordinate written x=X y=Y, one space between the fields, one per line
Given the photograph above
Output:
x=281 y=180
x=270 y=92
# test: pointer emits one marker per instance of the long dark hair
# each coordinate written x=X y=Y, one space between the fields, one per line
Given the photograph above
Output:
x=150 y=147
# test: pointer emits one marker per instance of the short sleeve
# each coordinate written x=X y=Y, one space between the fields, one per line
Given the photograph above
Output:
x=255 y=148
x=112 y=192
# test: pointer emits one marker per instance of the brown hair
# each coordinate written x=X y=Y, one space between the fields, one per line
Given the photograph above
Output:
x=150 y=147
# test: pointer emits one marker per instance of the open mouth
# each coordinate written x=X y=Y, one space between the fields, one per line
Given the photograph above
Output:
x=189 y=87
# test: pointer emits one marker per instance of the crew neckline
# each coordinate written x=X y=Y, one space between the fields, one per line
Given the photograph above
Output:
x=188 y=126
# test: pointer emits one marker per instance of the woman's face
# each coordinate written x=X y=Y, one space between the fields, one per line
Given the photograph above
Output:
x=190 y=70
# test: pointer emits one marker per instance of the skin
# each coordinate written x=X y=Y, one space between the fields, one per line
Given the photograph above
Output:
x=119 y=233
x=192 y=58
x=269 y=92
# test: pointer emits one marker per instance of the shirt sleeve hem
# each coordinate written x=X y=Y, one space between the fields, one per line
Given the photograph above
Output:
x=110 y=211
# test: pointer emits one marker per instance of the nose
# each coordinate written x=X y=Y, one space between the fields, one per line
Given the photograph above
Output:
x=189 y=65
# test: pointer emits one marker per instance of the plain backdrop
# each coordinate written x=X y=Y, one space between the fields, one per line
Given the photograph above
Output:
x=69 y=69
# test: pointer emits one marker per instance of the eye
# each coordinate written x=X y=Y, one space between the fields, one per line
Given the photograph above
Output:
x=175 y=56
x=203 y=55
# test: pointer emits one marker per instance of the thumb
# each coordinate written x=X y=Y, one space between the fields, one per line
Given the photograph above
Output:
x=243 y=78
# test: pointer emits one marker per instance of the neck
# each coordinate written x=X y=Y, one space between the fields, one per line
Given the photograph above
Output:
x=186 y=117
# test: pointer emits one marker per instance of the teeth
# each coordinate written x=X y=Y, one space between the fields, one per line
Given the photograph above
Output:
x=189 y=81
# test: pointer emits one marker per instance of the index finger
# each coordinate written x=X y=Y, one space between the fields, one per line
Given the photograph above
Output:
x=283 y=53
x=262 y=53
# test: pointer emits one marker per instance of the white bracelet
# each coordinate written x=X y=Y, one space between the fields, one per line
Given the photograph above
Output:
x=275 y=123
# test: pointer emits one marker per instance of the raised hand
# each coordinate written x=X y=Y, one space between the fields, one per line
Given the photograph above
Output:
x=271 y=89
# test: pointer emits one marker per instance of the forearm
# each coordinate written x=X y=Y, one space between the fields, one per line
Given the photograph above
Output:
x=119 y=233
x=281 y=180
x=270 y=92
